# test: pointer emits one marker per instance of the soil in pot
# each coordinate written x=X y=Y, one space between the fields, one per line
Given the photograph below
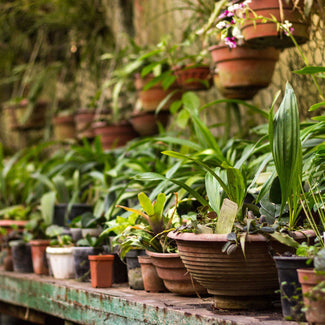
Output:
x=290 y=288
x=21 y=257
x=146 y=123
x=81 y=262
x=314 y=299
x=172 y=271
x=101 y=270
x=134 y=269
x=151 y=281
x=38 y=248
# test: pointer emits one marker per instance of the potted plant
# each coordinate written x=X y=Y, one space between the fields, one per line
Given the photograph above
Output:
x=238 y=66
x=312 y=283
x=152 y=237
x=60 y=253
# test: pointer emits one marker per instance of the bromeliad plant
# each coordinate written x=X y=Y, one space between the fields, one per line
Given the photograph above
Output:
x=151 y=227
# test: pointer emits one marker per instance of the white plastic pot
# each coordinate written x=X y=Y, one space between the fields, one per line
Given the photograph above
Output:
x=61 y=261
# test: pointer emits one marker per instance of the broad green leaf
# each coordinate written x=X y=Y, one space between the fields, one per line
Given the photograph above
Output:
x=285 y=239
x=159 y=205
x=236 y=185
x=47 y=207
x=146 y=204
x=191 y=101
x=182 y=119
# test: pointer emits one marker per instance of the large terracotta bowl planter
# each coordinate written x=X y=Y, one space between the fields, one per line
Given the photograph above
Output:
x=194 y=77
x=151 y=98
x=243 y=71
x=113 y=136
x=146 y=123
x=259 y=33
x=236 y=282
x=314 y=300
x=172 y=271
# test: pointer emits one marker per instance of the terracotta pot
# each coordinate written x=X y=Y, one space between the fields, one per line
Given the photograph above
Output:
x=64 y=127
x=315 y=301
x=151 y=98
x=265 y=34
x=113 y=136
x=83 y=120
x=146 y=123
x=243 y=71
x=101 y=270
x=38 y=247
x=172 y=271
x=192 y=77
x=17 y=113
x=236 y=282
x=151 y=281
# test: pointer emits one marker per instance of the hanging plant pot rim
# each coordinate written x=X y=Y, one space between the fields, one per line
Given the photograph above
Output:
x=223 y=237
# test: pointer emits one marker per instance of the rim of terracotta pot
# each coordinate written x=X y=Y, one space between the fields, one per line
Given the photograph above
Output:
x=162 y=255
x=108 y=257
x=63 y=119
x=188 y=236
x=199 y=66
x=40 y=242
x=19 y=223
x=145 y=113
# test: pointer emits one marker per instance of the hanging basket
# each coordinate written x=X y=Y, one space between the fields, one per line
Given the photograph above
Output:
x=242 y=71
x=261 y=33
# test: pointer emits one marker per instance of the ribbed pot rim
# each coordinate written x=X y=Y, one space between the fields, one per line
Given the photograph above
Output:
x=188 y=236
x=162 y=255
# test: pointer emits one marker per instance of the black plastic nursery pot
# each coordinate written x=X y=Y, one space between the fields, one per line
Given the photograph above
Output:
x=21 y=257
x=76 y=210
x=134 y=269
x=81 y=262
x=290 y=288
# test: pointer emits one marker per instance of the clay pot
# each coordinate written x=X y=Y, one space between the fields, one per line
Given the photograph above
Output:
x=83 y=120
x=101 y=270
x=61 y=262
x=21 y=257
x=236 y=282
x=172 y=271
x=17 y=113
x=134 y=269
x=146 y=123
x=151 y=281
x=64 y=127
x=263 y=34
x=290 y=288
x=242 y=71
x=151 y=98
x=113 y=136
x=38 y=247
x=315 y=301
x=194 y=77
x=81 y=262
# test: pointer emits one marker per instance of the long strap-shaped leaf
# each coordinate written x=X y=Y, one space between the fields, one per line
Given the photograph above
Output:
x=286 y=146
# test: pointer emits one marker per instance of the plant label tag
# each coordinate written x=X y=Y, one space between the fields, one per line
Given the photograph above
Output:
x=227 y=217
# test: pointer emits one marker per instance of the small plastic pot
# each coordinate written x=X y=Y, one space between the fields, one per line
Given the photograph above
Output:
x=134 y=269
x=61 y=261
x=21 y=257
x=101 y=270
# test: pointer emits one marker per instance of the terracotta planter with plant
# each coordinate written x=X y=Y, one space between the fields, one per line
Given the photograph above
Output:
x=64 y=127
x=194 y=77
x=38 y=247
x=151 y=281
x=113 y=136
x=242 y=71
x=101 y=270
x=266 y=32
x=147 y=123
x=151 y=98
x=83 y=121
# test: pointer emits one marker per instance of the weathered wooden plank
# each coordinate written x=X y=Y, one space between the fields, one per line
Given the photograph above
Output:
x=79 y=303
